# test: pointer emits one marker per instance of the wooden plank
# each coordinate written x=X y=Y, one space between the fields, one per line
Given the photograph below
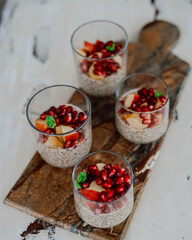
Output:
x=45 y=192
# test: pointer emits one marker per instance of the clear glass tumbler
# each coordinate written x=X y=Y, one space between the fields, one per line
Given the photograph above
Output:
x=60 y=116
x=142 y=108
x=103 y=214
x=100 y=52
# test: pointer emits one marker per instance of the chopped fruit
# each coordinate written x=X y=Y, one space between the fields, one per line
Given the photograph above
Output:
x=100 y=166
x=96 y=55
x=158 y=104
x=94 y=76
x=89 y=47
x=41 y=124
x=53 y=142
x=130 y=99
x=64 y=129
x=81 y=52
x=95 y=187
x=90 y=194
x=134 y=120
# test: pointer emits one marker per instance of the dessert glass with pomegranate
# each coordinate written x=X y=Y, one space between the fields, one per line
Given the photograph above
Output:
x=103 y=189
x=100 y=52
x=142 y=108
x=62 y=124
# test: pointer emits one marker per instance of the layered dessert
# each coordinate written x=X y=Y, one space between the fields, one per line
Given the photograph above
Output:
x=107 y=193
x=100 y=77
x=142 y=116
x=67 y=145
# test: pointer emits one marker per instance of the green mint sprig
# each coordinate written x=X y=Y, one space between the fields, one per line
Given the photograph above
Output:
x=112 y=48
x=50 y=121
x=80 y=179
x=158 y=94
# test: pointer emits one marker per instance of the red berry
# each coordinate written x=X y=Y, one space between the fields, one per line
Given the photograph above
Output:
x=53 y=109
x=142 y=99
x=50 y=113
x=86 y=170
x=96 y=173
x=57 y=121
x=153 y=100
x=111 y=172
x=68 y=118
x=92 y=168
x=75 y=119
x=69 y=109
x=110 y=192
x=43 y=116
x=67 y=144
x=74 y=113
x=127 y=179
x=103 y=196
x=120 y=171
x=110 y=181
x=58 y=111
x=144 y=109
x=62 y=112
x=119 y=180
x=82 y=117
x=74 y=143
x=98 y=180
x=62 y=107
x=163 y=99
x=151 y=92
x=120 y=188
x=151 y=107
x=81 y=138
x=116 y=166
x=137 y=109
x=85 y=184
x=103 y=175
x=106 y=184
x=48 y=130
x=142 y=91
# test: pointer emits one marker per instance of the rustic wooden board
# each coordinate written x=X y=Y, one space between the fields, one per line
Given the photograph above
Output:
x=45 y=192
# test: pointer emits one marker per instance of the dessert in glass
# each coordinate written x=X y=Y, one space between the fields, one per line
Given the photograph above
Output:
x=100 y=52
x=61 y=123
x=142 y=108
x=103 y=189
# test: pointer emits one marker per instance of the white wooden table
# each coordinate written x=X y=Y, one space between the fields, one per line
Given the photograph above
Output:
x=165 y=209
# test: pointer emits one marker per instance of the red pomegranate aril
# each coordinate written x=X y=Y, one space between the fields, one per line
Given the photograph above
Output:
x=111 y=172
x=151 y=125
x=75 y=119
x=144 y=109
x=120 y=188
x=142 y=91
x=137 y=109
x=142 y=99
x=48 y=130
x=50 y=113
x=154 y=120
x=151 y=92
x=62 y=106
x=110 y=192
x=97 y=72
x=74 y=113
x=103 y=175
x=85 y=66
x=120 y=171
x=153 y=100
x=74 y=143
x=109 y=180
x=106 y=208
x=117 y=196
x=62 y=112
x=96 y=173
x=143 y=115
x=103 y=196
x=58 y=111
x=163 y=99
x=53 y=109
x=67 y=144
x=151 y=107
x=98 y=67
x=98 y=180
x=57 y=121
x=127 y=179
x=119 y=180
x=69 y=109
x=116 y=166
x=146 y=121
x=68 y=118
x=108 y=167
x=44 y=138
x=85 y=184
x=43 y=116
x=106 y=184
x=82 y=117
x=112 y=67
x=92 y=168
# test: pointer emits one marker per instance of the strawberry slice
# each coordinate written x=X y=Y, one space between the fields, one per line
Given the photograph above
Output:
x=89 y=47
x=90 y=194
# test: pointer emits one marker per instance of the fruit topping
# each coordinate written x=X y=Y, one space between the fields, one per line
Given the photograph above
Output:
x=53 y=142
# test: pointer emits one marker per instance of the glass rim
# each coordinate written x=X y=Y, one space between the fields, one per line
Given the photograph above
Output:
x=60 y=134
x=92 y=153
x=100 y=59
x=136 y=74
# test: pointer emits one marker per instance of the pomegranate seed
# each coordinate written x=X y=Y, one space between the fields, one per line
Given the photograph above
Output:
x=108 y=167
x=82 y=117
x=98 y=72
x=85 y=66
x=143 y=115
x=127 y=179
x=137 y=109
x=142 y=91
x=120 y=172
x=110 y=192
x=74 y=113
x=110 y=181
x=81 y=138
x=103 y=175
x=117 y=205
x=58 y=111
x=120 y=188
x=151 y=107
x=53 y=109
x=74 y=143
x=67 y=144
x=109 y=43
x=43 y=116
x=154 y=120
x=48 y=130
x=112 y=67
x=106 y=208
x=92 y=168
x=119 y=180
x=122 y=110
x=68 y=118
x=62 y=106
x=44 y=138
x=106 y=184
x=153 y=100
x=103 y=196
x=163 y=99
x=144 y=109
x=69 y=109
x=146 y=121
x=96 y=173
x=50 y=113
x=142 y=99
x=85 y=184
x=116 y=166
x=57 y=121
x=98 y=67
x=117 y=196
x=151 y=125
x=75 y=119
x=151 y=92
x=62 y=112
x=98 y=180
x=111 y=172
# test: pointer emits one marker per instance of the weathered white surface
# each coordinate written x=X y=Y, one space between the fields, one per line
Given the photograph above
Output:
x=165 y=210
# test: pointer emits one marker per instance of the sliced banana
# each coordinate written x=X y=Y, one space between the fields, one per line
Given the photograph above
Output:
x=94 y=76
x=135 y=121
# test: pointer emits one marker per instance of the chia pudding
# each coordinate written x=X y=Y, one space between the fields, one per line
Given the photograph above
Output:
x=102 y=68
x=103 y=194
x=62 y=145
x=145 y=116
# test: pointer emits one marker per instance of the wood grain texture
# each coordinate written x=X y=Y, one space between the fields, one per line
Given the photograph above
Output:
x=45 y=192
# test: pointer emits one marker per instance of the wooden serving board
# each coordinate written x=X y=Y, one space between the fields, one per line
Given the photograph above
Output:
x=45 y=192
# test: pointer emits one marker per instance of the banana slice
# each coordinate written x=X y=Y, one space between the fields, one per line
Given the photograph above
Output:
x=94 y=76
x=82 y=52
x=100 y=166
x=53 y=142
x=119 y=60
x=95 y=187
x=135 y=121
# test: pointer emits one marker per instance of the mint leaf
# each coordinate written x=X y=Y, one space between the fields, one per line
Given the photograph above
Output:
x=112 y=48
x=158 y=94
x=50 y=121
x=77 y=184
x=81 y=177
